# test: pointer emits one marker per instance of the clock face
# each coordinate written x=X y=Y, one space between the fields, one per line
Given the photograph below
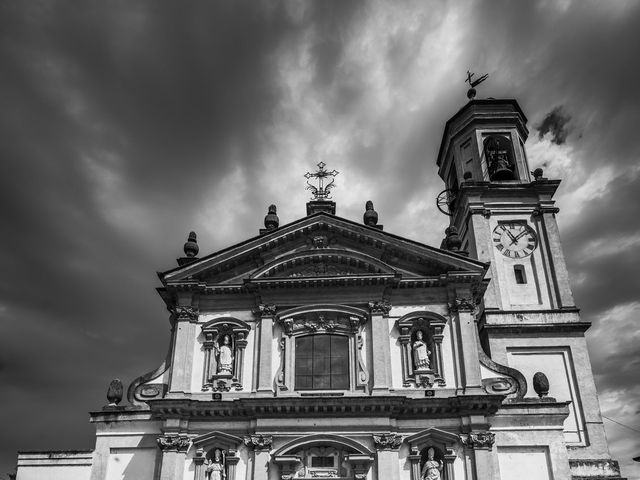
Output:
x=514 y=240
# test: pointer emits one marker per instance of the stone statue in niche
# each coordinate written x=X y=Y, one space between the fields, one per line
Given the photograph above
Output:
x=225 y=356
x=420 y=353
x=215 y=468
x=432 y=467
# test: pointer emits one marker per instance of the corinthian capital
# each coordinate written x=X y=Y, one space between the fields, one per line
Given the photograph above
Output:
x=462 y=304
x=265 y=310
x=478 y=440
x=258 y=442
x=390 y=441
x=186 y=313
x=174 y=443
x=380 y=307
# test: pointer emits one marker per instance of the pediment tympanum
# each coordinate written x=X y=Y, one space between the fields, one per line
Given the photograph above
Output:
x=321 y=245
x=320 y=263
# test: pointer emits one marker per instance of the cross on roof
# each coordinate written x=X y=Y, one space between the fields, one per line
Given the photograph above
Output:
x=321 y=192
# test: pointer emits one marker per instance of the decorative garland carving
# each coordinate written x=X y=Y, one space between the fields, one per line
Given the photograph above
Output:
x=380 y=307
x=265 y=310
x=258 y=442
x=321 y=323
x=174 y=443
x=478 y=440
x=387 y=441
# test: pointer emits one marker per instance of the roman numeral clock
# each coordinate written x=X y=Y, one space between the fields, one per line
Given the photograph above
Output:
x=514 y=239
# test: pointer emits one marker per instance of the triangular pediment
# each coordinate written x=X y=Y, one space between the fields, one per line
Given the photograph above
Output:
x=321 y=245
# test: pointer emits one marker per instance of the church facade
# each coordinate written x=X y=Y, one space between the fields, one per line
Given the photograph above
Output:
x=328 y=348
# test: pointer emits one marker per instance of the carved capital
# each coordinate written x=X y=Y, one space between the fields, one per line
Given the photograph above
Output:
x=387 y=441
x=478 y=440
x=258 y=442
x=174 y=443
x=186 y=313
x=380 y=307
x=265 y=310
x=462 y=304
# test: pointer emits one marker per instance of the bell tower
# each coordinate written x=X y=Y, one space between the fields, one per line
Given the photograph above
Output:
x=505 y=215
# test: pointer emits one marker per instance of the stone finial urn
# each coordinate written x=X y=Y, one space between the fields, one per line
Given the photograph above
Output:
x=271 y=220
x=370 y=216
x=114 y=394
x=191 y=248
x=541 y=384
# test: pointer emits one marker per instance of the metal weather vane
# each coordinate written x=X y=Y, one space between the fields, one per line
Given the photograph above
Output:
x=471 y=93
x=321 y=192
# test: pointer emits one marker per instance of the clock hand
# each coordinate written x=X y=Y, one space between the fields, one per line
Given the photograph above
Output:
x=510 y=235
x=520 y=235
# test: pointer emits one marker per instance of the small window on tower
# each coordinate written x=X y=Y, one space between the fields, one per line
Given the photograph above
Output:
x=521 y=276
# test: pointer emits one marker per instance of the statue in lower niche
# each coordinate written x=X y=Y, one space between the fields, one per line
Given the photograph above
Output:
x=420 y=353
x=225 y=356
x=432 y=467
x=215 y=468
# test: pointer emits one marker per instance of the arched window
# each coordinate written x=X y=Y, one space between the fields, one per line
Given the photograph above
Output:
x=322 y=362
x=321 y=349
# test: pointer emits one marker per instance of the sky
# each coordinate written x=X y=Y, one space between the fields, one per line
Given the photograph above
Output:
x=125 y=125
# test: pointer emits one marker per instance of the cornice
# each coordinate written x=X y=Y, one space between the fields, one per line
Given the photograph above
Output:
x=395 y=407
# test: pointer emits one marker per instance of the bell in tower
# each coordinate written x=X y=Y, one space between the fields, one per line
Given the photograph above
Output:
x=498 y=152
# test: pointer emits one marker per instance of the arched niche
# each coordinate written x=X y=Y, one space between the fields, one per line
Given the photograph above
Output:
x=317 y=456
x=441 y=441
x=206 y=446
x=224 y=343
x=419 y=331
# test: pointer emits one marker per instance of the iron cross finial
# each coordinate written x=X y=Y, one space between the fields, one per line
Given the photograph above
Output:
x=321 y=192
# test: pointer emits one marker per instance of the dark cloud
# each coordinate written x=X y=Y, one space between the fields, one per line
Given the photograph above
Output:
x=557 y=124
x=125 y=125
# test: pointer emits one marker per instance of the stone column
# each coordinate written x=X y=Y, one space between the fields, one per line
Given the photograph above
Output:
x=209 y=361
x=414 y=457
x=186 y=318
x=387 y=446
x=437 y=356
x=261 y=444
x=174 y=453
x=265 y=374
x=481 y=443
x=449 y=458
x=380 y=341
x=405 y=354
x=238 y=364
x=462 y=308
x=232 y=460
